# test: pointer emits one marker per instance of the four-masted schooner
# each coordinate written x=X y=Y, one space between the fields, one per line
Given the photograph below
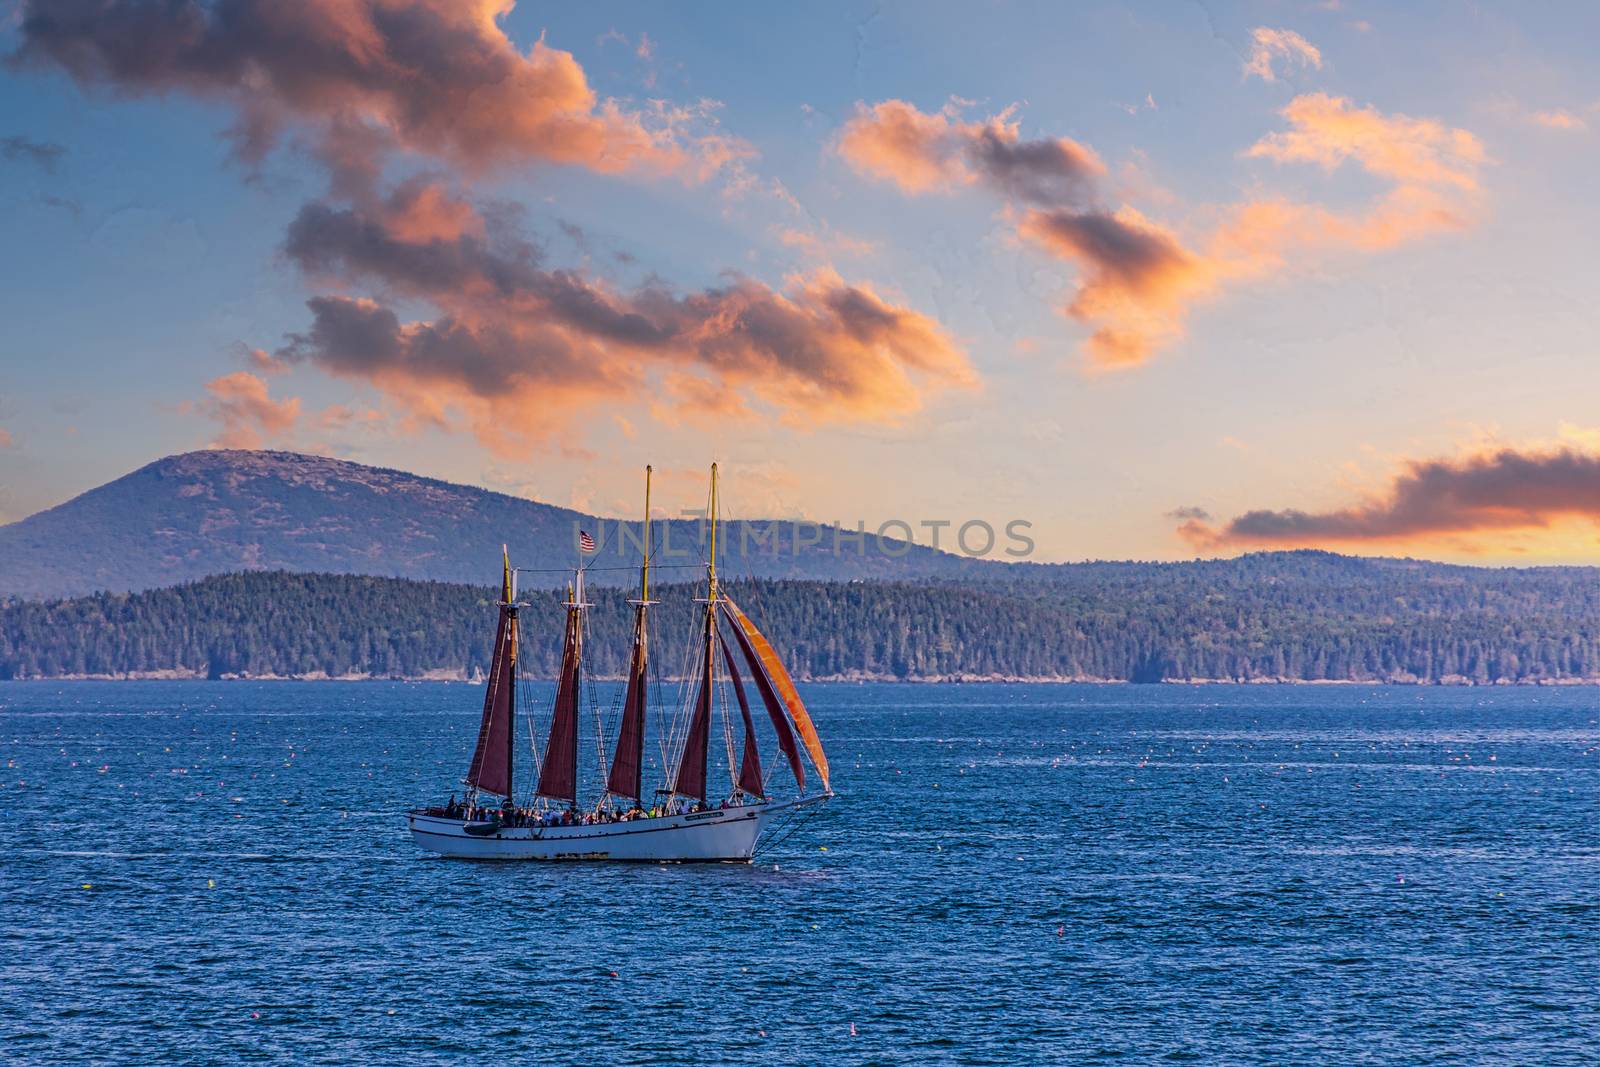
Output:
x=684 y=820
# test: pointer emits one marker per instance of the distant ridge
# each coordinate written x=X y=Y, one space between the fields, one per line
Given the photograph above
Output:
x=189 y=516
x=1277 y=618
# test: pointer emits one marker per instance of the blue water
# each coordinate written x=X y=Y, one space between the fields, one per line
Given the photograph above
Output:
x=214 y=872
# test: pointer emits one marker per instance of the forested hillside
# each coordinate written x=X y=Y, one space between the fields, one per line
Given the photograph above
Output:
x=1293 y=616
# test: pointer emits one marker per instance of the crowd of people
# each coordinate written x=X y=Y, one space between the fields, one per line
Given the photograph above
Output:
x=508 y=815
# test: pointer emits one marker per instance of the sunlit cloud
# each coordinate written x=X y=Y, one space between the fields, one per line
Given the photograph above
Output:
x=921 y=152
x=439 y=77
x=825 y=244
x=1465 y=503
x=241 y=402
x=442 y=303
x=516 y=346
x=1330 y=130
x=1558 y=119
x=1139 y=277
x=1268 y=45
x=1137 y=281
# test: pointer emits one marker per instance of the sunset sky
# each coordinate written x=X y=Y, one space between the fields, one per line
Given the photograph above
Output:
x=1164 y=280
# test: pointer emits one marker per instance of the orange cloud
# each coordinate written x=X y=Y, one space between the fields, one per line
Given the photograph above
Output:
x=1432 y=170
x=515 y=346
x=510 y=345
x=249 y=415
x=438 y=77
x=264 y=361
x=1558 y=119
x=1267 y=44
x=6 y=440
x=1328 y=130
x=919 y=152
x=1137 y=281
x=1137 y=277
x=823 y=245
x=1496 y=492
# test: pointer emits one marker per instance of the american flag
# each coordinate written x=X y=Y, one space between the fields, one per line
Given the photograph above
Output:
x=585 y=542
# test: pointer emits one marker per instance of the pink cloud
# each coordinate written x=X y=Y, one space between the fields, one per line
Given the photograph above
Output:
x=1268 y=45
x=1503 y=489
x=249 y=416
x=439 y=77
x=1138 y=278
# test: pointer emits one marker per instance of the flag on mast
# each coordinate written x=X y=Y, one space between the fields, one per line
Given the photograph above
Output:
x=585 y=542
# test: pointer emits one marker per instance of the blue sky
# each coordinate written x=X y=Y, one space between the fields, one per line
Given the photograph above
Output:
x=146 y=261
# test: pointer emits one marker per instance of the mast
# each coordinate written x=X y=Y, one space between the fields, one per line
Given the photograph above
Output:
x=644 y=570
x=690 y=779
x=628 y=762
x=508 y=596
x=711 y=591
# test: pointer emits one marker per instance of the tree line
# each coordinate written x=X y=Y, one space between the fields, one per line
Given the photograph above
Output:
x=1272 y=616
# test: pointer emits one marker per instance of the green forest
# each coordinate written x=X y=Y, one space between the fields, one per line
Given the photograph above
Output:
x=1302 y=616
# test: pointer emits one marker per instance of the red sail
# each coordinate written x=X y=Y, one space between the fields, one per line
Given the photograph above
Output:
x=690 y=781
x=750 y=762
x=629 y=759
x=769 y=697
x=491 y=760
x=558 y=774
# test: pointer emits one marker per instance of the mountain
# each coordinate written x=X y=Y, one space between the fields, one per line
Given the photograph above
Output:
x=1271 y=617
x=202 y=513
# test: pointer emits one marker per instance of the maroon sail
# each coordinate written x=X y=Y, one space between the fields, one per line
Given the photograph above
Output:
x=690 y=781
x=769 y=697
x=626 y=765
x=491 y=760
x=750 y=762
x=558 y=774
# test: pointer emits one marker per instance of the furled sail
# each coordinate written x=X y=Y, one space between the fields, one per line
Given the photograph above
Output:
x=558 y=774
x=690 y=781
x=779 y=677
x=750 y=762
x=775 y=712
x=626 y=765
x=491 y=760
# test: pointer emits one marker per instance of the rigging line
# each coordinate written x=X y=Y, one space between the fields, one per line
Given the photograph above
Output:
x=652 y=681
x=531 y=786
x=788 y=824
x=529 y=703
x=619 y=567
x=613 y=716
x=599 y=737
x=727 y=736
x=688 y=692
x=688 y=678
x=752 y=589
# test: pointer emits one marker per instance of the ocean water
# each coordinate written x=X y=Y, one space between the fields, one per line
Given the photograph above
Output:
x=217 y=873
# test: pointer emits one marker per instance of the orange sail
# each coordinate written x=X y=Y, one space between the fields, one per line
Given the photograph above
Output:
x=781 y=682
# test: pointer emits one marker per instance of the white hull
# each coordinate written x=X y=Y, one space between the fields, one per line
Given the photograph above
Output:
x=726 y=835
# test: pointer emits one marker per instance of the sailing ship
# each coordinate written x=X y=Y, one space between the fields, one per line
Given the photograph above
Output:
x=684 y=820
